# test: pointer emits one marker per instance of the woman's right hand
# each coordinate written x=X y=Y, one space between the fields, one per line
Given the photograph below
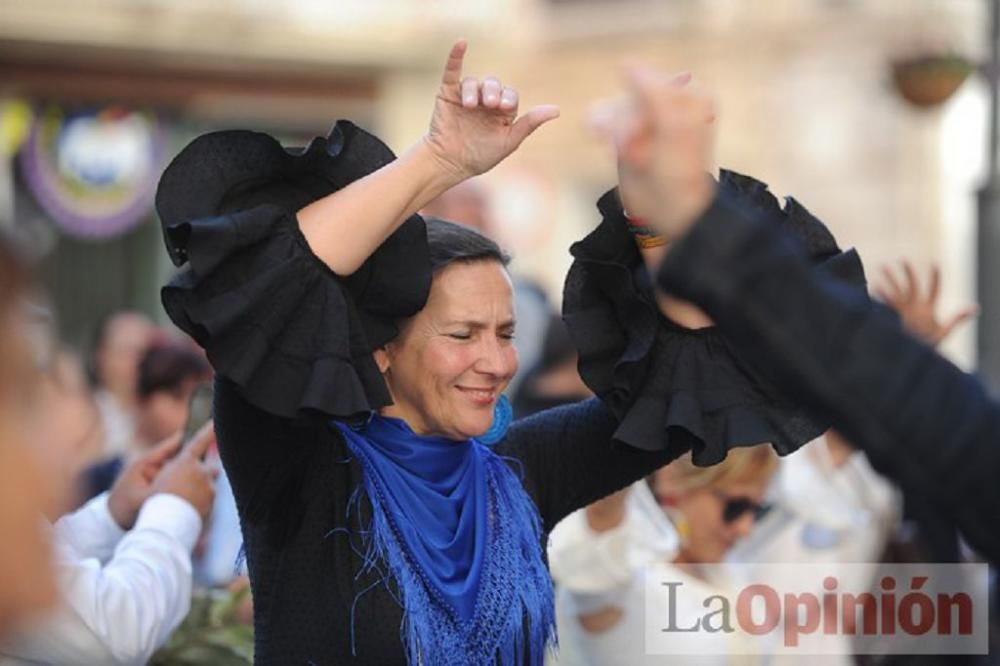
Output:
x=475 y=125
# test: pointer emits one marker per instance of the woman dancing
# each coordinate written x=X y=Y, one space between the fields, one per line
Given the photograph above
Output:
x=360 y=354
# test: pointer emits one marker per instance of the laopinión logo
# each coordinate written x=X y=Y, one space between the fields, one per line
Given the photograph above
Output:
x=818 y=609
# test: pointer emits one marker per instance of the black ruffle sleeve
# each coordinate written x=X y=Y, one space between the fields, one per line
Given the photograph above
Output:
x=671 y=387
x=294 y=337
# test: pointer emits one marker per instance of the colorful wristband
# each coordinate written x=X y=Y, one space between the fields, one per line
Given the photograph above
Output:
x=645 y=236
x=647 y=242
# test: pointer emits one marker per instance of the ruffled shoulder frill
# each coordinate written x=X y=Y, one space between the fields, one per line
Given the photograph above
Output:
x=671 y=387
x=272 y=317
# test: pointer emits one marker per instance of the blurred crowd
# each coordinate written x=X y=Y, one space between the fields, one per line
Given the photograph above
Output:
x=122 y=542
x=116 y=529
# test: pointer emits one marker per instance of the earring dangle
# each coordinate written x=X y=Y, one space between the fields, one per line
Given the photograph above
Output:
x=503 y=414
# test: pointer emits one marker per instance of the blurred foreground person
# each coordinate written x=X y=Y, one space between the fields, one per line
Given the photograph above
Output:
x=68 y=430
x=922 y=422
x=27 y=583
x=124 y=563
x=667 y=526
x=832 y=506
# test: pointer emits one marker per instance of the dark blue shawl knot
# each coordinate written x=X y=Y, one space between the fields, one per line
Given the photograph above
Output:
x=462 y=541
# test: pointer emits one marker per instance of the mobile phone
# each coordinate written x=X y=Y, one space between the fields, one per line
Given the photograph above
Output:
x=199 y=411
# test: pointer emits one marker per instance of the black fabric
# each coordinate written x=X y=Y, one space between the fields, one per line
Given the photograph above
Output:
x=670 y=386
x=269 y=313
x=922 y=422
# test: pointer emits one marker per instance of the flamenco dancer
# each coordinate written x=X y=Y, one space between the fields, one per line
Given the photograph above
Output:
x=391 y=512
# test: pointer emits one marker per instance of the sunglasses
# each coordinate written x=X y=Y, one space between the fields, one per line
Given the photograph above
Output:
x=734 y=508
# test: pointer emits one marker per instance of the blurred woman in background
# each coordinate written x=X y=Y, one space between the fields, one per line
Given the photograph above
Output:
x=668 y=527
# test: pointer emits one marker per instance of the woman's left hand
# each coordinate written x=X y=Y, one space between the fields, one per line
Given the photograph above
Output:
x=475 y=124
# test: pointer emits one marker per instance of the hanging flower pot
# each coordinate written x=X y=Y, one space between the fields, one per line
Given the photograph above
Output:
x=929 y=80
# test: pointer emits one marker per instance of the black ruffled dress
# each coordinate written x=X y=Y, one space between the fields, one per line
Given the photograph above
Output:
x=672 y=387
x=278 y=322
x=291 y=345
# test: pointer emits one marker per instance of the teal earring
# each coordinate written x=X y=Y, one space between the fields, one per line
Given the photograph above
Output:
x=503 y=414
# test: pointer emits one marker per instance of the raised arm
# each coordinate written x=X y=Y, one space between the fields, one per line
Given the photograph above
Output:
x=300 y=263
x=473 y=127
x=921 y=420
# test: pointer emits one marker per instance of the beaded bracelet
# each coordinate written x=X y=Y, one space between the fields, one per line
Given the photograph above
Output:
x=647 y=242
x=645 y=236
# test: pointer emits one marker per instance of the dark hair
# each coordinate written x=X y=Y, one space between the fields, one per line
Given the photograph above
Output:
x=451 y=243
x=168 y=367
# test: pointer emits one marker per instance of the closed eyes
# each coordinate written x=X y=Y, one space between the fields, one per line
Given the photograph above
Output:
x=468 y=336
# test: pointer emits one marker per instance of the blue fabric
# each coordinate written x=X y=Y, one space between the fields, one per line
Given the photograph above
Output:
x=462 y=540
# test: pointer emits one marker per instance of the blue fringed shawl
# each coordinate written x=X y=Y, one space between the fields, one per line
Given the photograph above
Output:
x=462 y=540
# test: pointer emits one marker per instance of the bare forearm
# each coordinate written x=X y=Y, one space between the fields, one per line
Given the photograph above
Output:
x=344 y=228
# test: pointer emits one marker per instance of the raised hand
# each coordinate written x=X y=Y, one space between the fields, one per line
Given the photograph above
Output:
x=633 y=142
x=664 y=137
x=475 y=123
x=917 y=309
x=474 y=126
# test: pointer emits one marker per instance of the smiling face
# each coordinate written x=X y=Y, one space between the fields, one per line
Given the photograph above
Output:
x=453 y=359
